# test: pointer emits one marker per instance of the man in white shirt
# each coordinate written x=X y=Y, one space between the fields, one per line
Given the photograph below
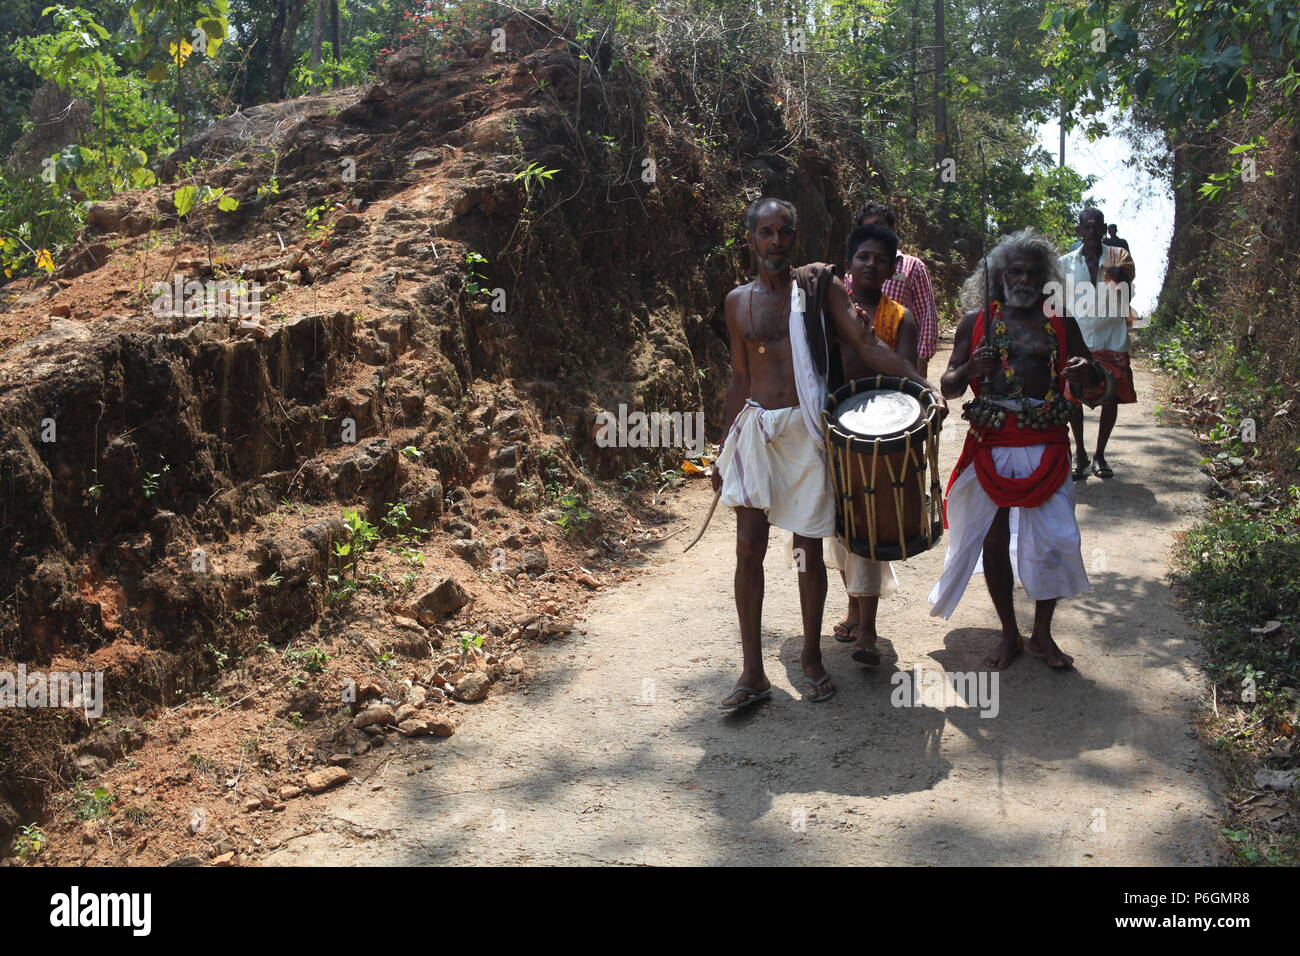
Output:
x=1097 y=291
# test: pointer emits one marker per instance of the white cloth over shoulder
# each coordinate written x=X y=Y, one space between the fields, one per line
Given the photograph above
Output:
x=810 y=385
x=769 y=461
x=1045 y=547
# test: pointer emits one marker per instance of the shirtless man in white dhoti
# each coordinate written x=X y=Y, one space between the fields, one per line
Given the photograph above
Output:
x=1009 y=494
x=772 y=468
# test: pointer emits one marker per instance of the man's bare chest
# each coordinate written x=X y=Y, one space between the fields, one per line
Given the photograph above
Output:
x=765 y=316
x=1027 y=341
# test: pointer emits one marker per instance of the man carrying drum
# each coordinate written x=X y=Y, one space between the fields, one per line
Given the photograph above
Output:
x=910 y=286
x=870 y=258
x=784 y=328
x=1012 y=479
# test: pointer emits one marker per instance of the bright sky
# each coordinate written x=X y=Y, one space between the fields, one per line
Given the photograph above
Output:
x=1142 y=207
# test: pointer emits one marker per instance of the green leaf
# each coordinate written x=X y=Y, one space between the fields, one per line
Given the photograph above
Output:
x=70 y=158
x=184 y=199
x=157 y=73
x=227 y=203
x=213 y=27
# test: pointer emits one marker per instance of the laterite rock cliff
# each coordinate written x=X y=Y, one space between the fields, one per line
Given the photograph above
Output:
x=383 y=224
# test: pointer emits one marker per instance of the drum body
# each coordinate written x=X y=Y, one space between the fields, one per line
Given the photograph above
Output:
x=882 y=438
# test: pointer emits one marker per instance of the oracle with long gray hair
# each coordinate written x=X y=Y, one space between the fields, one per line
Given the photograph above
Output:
x=1026 y=241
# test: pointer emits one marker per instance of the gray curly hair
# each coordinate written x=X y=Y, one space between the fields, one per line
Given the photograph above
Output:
x=1027 y=241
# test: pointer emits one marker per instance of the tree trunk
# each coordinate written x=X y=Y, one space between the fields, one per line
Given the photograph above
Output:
x=275 y=50
x=317 y=32
x=1061 y=160
x=916 y=20
x=335 y=39
x=940 y=94
x=288 y=16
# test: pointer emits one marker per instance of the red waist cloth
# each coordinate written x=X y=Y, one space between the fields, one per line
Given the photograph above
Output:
x=1028 y=492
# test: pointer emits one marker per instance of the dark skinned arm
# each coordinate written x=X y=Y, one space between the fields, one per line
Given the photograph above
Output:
x=1124 y=270
x=908 y=338
x=877 y=356
x=1081 y=370
x=738 y=391
x=963 y=366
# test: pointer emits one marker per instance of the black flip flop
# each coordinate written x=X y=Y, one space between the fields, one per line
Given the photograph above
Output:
x=815 y=684
x=847 y=637
x=870 y=658
x=1081 y=471
x=754 y=697
x=1105 y=471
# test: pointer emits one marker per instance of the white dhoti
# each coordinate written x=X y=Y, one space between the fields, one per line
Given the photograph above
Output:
x=1045 y=553
x=862 y=576
x=770 y=461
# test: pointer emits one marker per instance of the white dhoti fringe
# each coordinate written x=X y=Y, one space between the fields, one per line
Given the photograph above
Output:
x=1046 y=557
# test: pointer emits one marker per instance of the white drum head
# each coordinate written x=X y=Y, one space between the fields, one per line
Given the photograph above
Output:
x=878 y=413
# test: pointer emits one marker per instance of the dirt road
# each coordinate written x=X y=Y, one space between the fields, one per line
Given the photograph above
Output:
x=616 y=754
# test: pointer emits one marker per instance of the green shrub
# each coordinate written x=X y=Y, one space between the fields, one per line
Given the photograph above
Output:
x=1241 y=567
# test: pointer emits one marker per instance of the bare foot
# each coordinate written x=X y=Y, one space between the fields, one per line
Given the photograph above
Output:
x=1046 y=648
x=1008 y=650
x=864 y=649
x=846 y=630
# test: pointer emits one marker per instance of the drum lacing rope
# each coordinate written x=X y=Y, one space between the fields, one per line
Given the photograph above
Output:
x=843 y=501
x=918 y=460
x=869 y=493
x=898 y=502
x=932 y=452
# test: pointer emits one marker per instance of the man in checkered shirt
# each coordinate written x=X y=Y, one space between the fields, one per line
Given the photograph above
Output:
x=910 y=286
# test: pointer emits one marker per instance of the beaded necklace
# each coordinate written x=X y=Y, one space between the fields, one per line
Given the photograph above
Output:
x=984 y=411
x=1001 y=342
